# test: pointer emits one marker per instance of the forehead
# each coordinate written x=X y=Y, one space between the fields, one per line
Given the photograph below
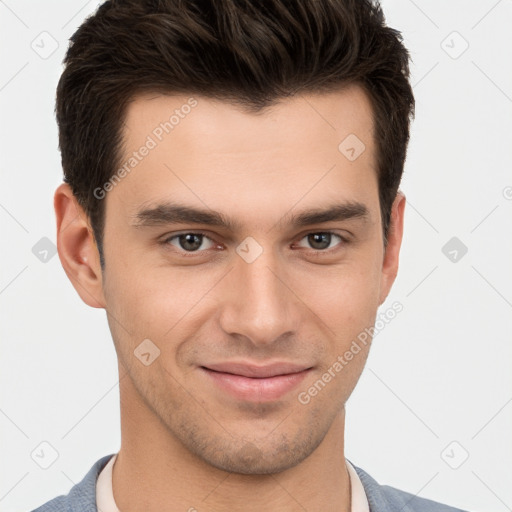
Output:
x=283 y=123
x=308 y=149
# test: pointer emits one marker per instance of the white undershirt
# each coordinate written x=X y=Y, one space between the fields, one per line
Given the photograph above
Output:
x=106 y=503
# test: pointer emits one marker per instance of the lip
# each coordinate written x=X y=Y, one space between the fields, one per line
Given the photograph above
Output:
x=256 y=383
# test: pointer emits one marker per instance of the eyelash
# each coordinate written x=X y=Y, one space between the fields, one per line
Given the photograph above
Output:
x=316 y=252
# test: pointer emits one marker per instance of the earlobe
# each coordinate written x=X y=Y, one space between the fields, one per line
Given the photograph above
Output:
x=392 y=252
x=77 y=248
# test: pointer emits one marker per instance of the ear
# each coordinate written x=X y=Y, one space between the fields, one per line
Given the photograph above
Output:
x=392 y=252
x=77 y=248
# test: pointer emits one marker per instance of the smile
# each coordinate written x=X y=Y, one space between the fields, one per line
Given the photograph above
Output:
x=267 y=386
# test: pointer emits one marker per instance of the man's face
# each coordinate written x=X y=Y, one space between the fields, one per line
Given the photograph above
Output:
x=240 y=298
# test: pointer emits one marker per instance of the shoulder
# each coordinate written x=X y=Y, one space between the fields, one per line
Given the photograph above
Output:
x=384 y=498
x=82 y=496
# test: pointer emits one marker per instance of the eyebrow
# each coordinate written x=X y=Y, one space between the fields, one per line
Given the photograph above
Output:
x=175 y=213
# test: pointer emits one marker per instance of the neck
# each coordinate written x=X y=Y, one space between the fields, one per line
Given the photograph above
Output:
x=153 y=469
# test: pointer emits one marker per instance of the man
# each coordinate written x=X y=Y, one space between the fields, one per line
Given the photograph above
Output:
x=231 y=200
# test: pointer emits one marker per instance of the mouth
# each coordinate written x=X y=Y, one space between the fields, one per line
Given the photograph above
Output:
x=255 y=383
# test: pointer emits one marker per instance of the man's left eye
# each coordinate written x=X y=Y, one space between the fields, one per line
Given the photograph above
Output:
x=322 y=240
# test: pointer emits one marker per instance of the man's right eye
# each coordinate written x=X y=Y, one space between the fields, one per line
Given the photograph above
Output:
x=189 y=242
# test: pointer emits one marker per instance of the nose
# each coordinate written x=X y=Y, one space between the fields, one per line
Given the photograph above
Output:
x=258 y=302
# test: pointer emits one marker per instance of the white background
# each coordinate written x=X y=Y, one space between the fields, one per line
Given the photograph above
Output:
x=439 y=372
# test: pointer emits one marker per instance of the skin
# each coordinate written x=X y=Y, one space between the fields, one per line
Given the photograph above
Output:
x=185 y=442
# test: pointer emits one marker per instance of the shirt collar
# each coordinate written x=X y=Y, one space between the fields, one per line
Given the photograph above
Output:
x=106 y=503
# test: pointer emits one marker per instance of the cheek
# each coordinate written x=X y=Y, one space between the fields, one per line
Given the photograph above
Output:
x=347 y=305
x=345 y=299
x=156 y=302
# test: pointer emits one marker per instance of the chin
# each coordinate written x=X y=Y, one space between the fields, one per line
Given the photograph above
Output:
x=270 y=455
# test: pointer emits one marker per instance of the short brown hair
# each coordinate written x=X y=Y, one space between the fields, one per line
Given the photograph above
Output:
x=247 y=52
